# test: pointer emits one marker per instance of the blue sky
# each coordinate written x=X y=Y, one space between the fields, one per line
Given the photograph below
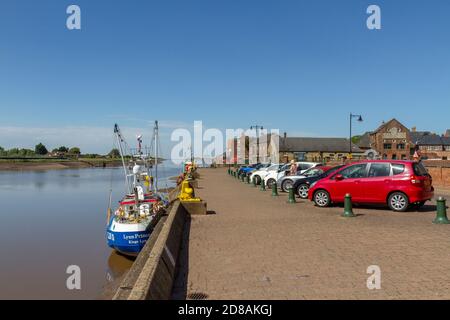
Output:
x=299 y=66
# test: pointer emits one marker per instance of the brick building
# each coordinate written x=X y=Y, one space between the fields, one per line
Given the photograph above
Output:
x=393 y=140
x=431 y=146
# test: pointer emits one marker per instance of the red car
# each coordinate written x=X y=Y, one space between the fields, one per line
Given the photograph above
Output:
x=399 y=184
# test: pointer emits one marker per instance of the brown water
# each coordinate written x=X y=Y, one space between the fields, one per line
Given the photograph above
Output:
x=54 y=219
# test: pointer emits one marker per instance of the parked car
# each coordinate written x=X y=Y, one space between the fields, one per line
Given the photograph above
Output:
x=273 y=176
x=249 y=168
x=399 y=184
x=260 y=174
x=286 y=182
x=301 y=186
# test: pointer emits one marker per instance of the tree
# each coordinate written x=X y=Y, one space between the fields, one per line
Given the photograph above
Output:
x=63 y=149
x=114 y=153
x=356 y=139
x=75 y=150
x=40 y=149
x=12 y=152
x=26 y=153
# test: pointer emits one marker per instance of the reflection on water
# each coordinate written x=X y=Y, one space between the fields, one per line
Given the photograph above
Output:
x=118 y=265
x=53 y=219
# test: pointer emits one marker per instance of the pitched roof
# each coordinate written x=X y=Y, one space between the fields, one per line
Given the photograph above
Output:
x=384 y=124
x=445 y=141
x=416 y=136
x=316 y=144
x=429 y=139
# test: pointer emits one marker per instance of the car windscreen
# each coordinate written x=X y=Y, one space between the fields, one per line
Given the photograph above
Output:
x=312 y=172
x=331 y=171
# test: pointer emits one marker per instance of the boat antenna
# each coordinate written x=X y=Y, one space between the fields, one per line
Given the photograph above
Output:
x=156 y=155
x=120 y=142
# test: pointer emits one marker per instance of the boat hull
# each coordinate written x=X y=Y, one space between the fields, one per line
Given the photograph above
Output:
x=128 y=239
x=129 y=243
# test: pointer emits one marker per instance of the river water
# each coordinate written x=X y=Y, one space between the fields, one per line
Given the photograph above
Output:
x=54 y=219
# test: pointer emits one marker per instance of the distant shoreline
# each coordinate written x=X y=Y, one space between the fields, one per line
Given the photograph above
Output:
x=31 y=165
x=58 y=164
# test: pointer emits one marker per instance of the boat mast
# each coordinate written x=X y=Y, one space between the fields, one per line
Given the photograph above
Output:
x=119 y=143
x=156 y=155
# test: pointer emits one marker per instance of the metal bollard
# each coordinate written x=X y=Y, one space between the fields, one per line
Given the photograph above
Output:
x=348 y=208
x=291 y=196
x=254 y=183
x=263 y=185
x=274 y=190
x=248 y=179
x=441 y=213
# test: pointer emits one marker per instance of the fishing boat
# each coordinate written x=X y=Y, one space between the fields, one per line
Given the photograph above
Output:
x=131 y=224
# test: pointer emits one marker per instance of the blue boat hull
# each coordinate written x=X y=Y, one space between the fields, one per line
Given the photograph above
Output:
x=129 y=243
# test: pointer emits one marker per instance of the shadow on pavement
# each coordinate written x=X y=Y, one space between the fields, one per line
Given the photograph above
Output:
x=179 y=289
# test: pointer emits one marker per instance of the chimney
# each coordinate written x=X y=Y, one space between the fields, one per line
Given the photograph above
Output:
x=413 y=129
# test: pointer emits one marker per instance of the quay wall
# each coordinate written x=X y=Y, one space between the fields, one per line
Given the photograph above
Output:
x=152 y=275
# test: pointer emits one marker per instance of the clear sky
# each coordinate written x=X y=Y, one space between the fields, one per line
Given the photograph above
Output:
x=299 y=66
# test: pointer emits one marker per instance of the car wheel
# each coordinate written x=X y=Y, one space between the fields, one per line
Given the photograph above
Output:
x=270 y=182
x=286 y=185
x=257 y=179
x=322 y=198
x=398 y=201
x=302 y=191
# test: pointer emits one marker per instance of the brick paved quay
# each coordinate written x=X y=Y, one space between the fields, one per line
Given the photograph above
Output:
x=259 y=247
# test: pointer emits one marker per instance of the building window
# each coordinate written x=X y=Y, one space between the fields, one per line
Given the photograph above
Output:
x=401 y=146
x=387 y=146
x=404 y=157
x=394 y=157
x=431 y=148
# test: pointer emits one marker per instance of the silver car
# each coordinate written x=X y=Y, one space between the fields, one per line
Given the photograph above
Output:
x=305 y=169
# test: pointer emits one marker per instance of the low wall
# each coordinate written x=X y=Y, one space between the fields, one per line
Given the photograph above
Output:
x=152 y=274
x=440 y=173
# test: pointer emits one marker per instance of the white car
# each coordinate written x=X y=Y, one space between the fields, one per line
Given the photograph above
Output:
x=273 y=176
x=258 y=175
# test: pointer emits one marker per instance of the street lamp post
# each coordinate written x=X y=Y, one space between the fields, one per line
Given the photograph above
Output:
x=257 y=128
x=360 y=119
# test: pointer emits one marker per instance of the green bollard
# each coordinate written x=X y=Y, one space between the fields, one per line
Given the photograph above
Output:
x=348 y=208
x=248 y=179
x=254 y=183
x=291 y=196
x=274 y=190
x=243 y=177
x=263 y=185
x=441 y=214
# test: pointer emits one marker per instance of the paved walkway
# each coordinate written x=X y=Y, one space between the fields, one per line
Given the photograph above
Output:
x=259 y=247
